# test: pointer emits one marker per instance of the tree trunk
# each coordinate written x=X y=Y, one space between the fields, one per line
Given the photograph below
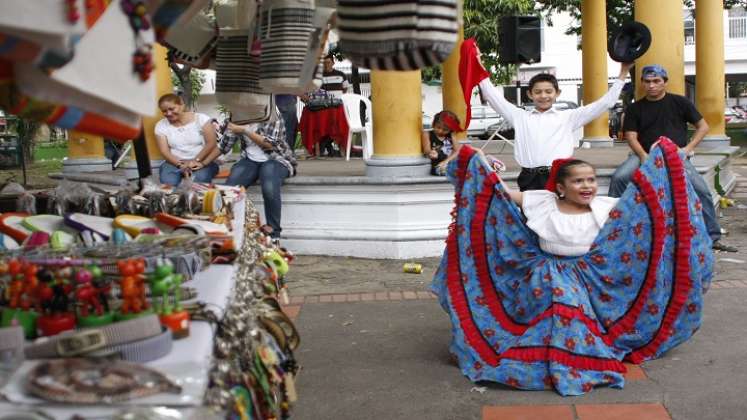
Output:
x=185 y=83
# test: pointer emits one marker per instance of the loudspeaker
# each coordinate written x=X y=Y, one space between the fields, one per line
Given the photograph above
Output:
x=520 y=39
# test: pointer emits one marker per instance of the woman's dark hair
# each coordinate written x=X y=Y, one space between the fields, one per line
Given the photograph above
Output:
x=170 y=97
x=564 y=171
x=543 y=77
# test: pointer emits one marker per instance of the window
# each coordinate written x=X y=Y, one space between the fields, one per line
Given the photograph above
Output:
x=689 y=28
x=737 y=23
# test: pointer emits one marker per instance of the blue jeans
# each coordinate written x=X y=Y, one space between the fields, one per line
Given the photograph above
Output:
x=624 y=172
x=271 y=174
x=290 y=118
x=171 y=175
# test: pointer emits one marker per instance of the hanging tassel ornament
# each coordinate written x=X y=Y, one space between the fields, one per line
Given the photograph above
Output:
x=142 y=58
x=73 y=13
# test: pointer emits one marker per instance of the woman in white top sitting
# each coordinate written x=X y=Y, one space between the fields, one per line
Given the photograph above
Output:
x=186 y=140
x=557 y=293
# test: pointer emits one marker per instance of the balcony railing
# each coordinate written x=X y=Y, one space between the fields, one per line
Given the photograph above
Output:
x=738 y=27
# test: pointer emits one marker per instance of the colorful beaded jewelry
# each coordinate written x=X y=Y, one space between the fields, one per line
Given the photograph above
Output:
x=142 y=58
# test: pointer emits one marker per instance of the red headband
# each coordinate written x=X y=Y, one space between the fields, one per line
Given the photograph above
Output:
x=450 y=122
x=553 y=180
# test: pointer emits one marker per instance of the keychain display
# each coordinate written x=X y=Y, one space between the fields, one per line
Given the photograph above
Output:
x=92 y=297
x=165 y=287
x=253 y=374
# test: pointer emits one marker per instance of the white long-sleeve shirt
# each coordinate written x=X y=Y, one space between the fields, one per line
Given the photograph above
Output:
x=541 y=137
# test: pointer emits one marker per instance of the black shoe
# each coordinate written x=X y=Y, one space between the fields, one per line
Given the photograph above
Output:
x=720 y=246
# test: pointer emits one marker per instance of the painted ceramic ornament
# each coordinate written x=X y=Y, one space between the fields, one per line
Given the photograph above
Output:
x=61 y=235
x=20 y=294
x=165 y=288
x=54 y=299
x=132 y=288
x=92 y=298
x=135 y=225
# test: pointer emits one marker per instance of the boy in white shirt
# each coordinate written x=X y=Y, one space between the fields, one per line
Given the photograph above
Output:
x=544 y=133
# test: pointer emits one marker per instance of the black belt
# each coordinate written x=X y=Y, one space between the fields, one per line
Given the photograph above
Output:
x=538 y=170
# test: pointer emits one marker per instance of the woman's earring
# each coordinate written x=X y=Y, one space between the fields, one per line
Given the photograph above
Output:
x=561 y=195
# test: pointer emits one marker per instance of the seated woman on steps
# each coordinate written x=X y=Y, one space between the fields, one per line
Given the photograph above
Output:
x=559 y=295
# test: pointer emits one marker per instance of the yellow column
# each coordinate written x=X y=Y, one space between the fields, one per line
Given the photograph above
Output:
x=709 y=62
x=162 y=74
x=85 y=153
x=397 y=115
x=83 y=145
x=664 y=19
x=594 y=57
x=397 y=125
x=452 y=95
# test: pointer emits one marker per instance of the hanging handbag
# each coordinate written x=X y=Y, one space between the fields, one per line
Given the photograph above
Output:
x=168 y=14
x=402 y=35
x=293 y=33
x=193 y=43
x=237 y=63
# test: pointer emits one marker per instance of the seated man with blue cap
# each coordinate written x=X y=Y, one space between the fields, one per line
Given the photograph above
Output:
x=661 y=113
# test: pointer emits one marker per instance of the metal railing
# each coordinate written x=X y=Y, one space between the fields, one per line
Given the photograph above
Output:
x=738 y=27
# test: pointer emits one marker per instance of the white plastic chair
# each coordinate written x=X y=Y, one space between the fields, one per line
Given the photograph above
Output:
x=352 y=105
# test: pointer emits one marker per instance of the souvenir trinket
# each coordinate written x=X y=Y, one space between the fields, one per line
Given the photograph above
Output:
x=54 y=298
x=165 y=288
x=132 y=289
x=92 y=296
x=20 y=294
x=91 y=381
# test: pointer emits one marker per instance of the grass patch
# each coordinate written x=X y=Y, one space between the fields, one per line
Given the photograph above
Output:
x=47 y=153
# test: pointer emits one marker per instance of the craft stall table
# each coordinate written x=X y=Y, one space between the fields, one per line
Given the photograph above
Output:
x=188 y=363
x=191 y=362
x=319 y=124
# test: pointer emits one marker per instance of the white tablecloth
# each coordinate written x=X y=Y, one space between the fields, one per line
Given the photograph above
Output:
x=188 y=363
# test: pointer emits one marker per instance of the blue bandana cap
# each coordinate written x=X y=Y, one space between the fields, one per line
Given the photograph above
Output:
x=654 y=70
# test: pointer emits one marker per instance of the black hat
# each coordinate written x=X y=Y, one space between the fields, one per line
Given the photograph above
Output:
x=630 y=42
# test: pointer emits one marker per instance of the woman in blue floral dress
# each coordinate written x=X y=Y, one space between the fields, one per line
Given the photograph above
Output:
x=629 y=286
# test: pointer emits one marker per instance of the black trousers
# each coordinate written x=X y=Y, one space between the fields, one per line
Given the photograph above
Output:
x=533 y=178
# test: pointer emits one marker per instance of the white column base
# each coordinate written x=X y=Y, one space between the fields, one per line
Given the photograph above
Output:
x=397 y=167
x=79 y=165
x=714 y=141
x=596 y=142
x=130 y=168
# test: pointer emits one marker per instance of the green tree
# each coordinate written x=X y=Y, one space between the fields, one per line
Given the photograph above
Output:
x=187 y=80
x=482 y=21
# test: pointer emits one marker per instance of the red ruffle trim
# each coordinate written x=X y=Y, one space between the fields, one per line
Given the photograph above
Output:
x=684 y=230
x=477 y=232
x=627 y=322
x=564 y=357
x=457 y=294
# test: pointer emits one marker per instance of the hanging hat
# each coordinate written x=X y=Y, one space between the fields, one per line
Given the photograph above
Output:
x=630 y=42
x=552 y=181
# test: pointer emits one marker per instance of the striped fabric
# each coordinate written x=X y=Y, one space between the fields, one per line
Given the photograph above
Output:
x=293 y=35
x=237 y=64
x=397 y=34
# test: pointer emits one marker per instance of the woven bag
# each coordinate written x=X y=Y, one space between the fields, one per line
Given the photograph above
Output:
x=401 y=35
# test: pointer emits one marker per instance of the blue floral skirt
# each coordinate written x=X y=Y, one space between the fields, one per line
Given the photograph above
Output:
x=534 y=320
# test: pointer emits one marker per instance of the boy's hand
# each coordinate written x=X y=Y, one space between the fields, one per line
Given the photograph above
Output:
x=625 y=70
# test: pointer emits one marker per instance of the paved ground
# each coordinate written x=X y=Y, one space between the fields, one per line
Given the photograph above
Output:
x=374 y=346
